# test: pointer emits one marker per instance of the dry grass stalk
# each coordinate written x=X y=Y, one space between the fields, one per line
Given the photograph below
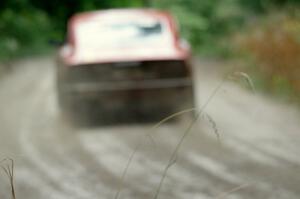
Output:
x=213 y=125
x=173 y=157
x=8 y=168
x=125 y=171
x=235 y=189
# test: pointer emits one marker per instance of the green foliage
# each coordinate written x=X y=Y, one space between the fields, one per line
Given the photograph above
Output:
x=20 y=30
x=206 y=24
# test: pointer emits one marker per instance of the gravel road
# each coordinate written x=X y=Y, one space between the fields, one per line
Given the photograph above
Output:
x=256 y=156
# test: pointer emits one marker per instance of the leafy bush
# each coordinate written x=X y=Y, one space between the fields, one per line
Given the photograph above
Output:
x=205 y=23
x=275 y=45
x=24 y=30
x=209 y=24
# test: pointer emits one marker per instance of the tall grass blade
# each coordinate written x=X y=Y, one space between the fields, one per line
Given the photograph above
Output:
x=235 y=189
x=186 y=133
x=8 y=168
x=130 y=159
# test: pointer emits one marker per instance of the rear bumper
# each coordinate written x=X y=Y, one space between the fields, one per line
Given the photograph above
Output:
x=135 y=101
x=99 y=87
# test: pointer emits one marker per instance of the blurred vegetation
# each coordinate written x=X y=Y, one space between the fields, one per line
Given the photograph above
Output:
x=274 y=43
x=208 y=24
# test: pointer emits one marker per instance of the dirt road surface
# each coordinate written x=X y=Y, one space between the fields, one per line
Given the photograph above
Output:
x=257 y=154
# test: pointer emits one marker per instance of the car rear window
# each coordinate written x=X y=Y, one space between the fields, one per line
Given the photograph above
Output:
x=112 y=34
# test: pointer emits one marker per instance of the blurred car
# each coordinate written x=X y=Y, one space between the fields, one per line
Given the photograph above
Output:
x=123 y=65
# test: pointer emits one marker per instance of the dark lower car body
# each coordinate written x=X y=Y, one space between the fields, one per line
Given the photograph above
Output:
x=116 y=93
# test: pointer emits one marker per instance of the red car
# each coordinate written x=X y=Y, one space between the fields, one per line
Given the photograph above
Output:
x=123 y=65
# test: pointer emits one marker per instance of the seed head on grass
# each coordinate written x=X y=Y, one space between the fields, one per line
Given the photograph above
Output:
x=213 y=125
x=7 y=165
x=245 y=77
